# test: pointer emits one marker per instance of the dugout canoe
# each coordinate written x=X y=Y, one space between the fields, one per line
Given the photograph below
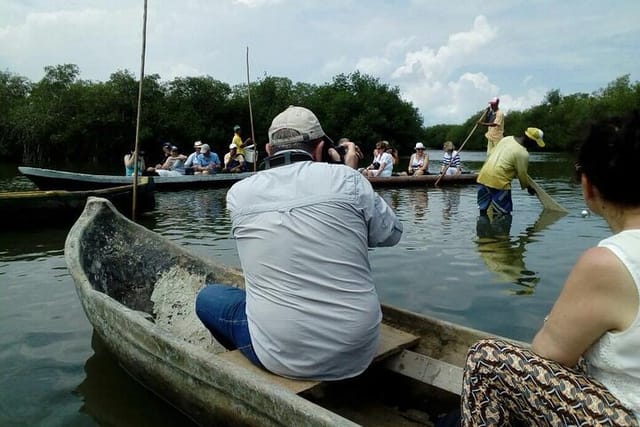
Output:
x=423 y=180
x=137 y=289
x=61 y=207
x=52 y=179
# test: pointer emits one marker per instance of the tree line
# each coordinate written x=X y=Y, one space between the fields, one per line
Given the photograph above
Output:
x=63 y=119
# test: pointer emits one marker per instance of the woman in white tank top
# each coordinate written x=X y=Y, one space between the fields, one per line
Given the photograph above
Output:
x=595 y=319
x=419 y=161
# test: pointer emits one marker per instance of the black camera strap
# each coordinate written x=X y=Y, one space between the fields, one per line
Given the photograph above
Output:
x=285 y=158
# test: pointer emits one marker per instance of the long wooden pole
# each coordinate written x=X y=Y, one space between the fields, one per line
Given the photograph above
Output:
x=136 y=151
x=444 y=170
x=253 y=136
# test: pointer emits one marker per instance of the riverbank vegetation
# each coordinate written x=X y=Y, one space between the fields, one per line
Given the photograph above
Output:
x=65 y=119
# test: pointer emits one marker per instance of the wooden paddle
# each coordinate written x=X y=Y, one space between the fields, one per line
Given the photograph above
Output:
x=444 y=170
x=548 y=203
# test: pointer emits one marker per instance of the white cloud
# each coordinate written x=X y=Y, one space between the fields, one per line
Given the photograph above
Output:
x=429 y=63
x=448 y=59
x=433 y=79
x=256 y=3
x=373 y=65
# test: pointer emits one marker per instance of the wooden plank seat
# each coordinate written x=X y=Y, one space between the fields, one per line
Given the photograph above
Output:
x=426 y=369
x=392 y=341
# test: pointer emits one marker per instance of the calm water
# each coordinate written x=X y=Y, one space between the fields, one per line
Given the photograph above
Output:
x=55 y=372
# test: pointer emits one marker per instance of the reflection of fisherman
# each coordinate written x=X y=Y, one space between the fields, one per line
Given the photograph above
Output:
x=499 y=227
x=499 y=253
x=505 y=256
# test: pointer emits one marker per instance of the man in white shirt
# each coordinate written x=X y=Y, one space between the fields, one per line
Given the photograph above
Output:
x=303 y=228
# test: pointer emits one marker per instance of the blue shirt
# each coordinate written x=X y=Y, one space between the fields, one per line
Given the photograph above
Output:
x=303 y=231
x=205 y=161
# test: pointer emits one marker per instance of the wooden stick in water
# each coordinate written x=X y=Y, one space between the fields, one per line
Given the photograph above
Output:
x=253 y=136
x=136 y=150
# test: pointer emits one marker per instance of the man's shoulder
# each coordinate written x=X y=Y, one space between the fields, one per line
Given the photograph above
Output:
x=308 y=170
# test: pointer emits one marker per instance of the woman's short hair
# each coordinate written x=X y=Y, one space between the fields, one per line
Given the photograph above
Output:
x=610 y=155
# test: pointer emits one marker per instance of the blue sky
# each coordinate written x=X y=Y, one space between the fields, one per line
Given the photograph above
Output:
x=447 y=57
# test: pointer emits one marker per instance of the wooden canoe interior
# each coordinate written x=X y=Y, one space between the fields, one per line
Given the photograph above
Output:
x=392 y=341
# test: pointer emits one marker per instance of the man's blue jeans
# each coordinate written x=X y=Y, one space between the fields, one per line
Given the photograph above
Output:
x=222 y=310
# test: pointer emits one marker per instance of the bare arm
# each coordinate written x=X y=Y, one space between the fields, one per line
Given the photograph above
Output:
x=598 y=296
x=522 y=167
x=352 y=154
x=425 y=164
x=410 y=168
x=487 y=114
x=167 y=163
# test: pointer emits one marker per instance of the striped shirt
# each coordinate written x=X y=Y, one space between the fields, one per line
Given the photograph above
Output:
x=448 y=162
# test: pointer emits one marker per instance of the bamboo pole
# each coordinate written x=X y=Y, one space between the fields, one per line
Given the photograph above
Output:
x=444 y=171
x=253 y=136
x=136 y=151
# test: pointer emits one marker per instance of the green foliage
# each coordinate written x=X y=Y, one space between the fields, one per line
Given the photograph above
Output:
x=63 y=118
x=366 y=111
x=13 y=94
x=195 y=108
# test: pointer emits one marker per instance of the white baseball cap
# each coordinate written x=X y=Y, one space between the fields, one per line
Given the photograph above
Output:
x=299 y=119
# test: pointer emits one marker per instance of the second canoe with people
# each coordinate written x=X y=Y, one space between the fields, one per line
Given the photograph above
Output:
x=51 y=179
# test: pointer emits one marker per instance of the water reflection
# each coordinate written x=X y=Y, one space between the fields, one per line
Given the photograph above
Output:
x=111 y=398
x=504 y=255
x=193 y=206
x=451 y=202
x=31 y=243
x=419 y=199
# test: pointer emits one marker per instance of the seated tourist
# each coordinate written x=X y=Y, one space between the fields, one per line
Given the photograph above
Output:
x=188 y=165
x=234 y=162
x=419 y=161
x=207 y=162
x=130 y=162
x=450 y=160
x=173 y=166
x=382 y=161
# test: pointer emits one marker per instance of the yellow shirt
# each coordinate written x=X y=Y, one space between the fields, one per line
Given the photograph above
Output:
x=495 y=133
x=509 y=159
x=237 y=141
